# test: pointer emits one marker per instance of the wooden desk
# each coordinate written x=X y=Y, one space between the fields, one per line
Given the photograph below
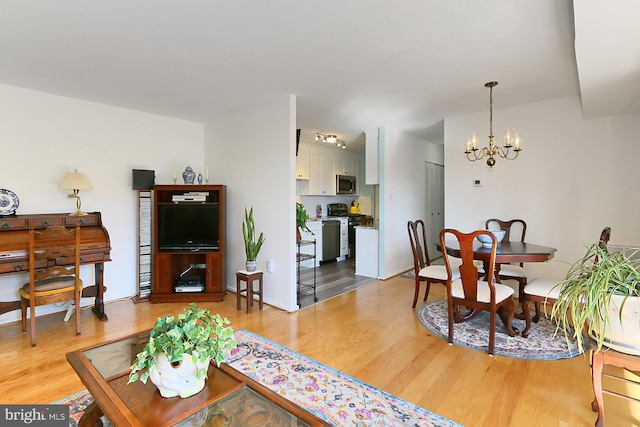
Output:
x=104 y=370
x=95 y=248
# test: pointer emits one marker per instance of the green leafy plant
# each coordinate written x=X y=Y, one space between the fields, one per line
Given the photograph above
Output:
x=251 y=245
x=301 y=218
x=195 y=331
x=587 y=290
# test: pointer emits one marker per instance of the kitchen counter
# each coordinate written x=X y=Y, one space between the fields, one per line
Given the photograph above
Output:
x=367 y=251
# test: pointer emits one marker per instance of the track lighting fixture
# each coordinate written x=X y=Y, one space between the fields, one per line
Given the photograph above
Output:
x=331 y=139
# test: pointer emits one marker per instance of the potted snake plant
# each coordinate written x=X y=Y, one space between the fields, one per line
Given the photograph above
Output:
x=600 y=296
x=251 y=244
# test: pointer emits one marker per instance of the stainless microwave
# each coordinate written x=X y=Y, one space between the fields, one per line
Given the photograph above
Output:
x=345 y=184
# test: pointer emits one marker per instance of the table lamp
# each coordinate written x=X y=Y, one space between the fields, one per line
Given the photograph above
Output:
x=75 y=181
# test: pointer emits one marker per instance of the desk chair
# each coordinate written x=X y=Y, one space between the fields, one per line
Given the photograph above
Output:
x=54 y=273
x=422 y=269
x=470 y=292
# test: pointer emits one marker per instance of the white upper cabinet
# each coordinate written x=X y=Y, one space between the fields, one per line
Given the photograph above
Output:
x=322 y=177
x=302 y=163
x=323 y=164
x=347 y=165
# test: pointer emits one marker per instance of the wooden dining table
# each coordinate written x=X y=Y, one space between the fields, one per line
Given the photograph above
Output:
x=506 y=253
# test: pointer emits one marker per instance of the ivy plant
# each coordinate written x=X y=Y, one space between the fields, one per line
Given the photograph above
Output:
x=195 y=331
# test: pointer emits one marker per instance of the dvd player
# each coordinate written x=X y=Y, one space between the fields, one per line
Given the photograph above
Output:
x=190 y=284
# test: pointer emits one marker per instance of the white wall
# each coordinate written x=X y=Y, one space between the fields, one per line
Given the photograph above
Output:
x=572 y=178
x=402 y=189
x=44 y=136
x=253 y=152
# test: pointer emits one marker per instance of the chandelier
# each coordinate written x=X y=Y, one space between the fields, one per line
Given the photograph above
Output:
x=509 y=150
x=331 y=139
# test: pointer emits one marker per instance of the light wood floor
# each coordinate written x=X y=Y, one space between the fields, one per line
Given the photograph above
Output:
x=331 y=279
x=370 y=333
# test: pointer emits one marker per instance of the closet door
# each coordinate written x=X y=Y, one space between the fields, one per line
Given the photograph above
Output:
x=434 y=205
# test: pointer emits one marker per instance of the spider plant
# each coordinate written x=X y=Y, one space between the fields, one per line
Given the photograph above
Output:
x=588 y=289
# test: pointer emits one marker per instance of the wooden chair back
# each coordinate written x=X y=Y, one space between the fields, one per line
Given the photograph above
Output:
x=468 y=269
x=53 y=262
x=499 y=301
x=605 y=235
x=418 y=239
x=506 y=226
x=54 y=272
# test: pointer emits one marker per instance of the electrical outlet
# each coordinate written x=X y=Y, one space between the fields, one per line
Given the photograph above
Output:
x=270 y=266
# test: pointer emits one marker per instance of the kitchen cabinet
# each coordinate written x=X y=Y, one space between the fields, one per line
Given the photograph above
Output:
x=322 y=176
x=347 y=165
x=302 y=163
x=316 y=229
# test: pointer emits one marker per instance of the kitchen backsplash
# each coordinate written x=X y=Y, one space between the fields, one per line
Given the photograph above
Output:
x=310 y=202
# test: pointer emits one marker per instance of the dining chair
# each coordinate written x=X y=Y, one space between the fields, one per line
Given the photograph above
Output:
x=470 y=292
x=544 y=291
x=422 y=269
x=511 y=271
x=54 y=273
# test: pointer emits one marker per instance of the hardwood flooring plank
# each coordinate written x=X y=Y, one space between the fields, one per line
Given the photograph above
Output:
x=370 y=333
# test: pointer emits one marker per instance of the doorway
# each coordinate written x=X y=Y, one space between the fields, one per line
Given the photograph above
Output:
x=434 y=204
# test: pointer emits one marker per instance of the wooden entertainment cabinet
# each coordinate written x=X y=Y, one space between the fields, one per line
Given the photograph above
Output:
x=169 y=264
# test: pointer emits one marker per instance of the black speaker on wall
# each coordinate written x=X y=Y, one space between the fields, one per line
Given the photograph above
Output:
x=143 y=179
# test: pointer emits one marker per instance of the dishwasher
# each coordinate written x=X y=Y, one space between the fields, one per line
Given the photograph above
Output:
x=330 y=240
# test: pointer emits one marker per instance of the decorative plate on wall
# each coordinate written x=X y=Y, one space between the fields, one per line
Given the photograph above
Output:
x=9 y=202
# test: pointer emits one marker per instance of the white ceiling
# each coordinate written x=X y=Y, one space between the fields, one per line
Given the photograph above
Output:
x=352 y=64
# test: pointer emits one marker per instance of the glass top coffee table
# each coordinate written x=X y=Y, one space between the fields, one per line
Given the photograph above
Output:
x=229 y=398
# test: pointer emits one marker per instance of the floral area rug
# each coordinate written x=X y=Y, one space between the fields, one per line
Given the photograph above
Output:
x=541 y=344
x=77 y=403
x=337 y=398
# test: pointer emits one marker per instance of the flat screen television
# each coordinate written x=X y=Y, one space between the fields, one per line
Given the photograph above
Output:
x=188 y=227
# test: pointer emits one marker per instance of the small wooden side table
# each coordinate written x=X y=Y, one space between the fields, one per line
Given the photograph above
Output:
x=249 y=277
x=615 y=358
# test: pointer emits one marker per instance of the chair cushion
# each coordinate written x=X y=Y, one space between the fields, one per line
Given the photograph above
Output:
x=543 y=288
x=502 y=291
x=51 y=286
x=438 y=272
x=508 y=270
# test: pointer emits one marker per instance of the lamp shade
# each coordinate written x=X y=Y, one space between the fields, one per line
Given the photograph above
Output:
x=75 y=181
